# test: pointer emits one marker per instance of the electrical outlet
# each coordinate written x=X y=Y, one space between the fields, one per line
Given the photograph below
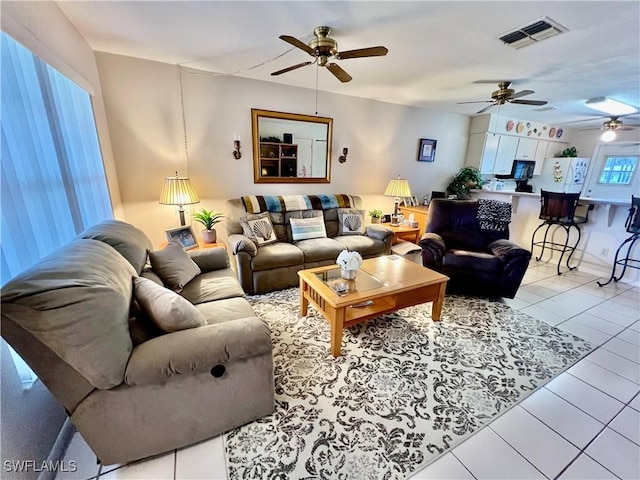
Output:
x=604 y=252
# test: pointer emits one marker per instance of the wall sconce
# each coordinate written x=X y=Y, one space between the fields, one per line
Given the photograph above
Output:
x=345 y=151
x=236 y=147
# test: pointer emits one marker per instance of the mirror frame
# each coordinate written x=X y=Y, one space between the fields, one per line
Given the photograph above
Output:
x=256 y=114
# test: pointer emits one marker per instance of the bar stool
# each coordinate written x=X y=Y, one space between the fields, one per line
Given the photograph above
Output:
x=632 y=226
x=559 y=209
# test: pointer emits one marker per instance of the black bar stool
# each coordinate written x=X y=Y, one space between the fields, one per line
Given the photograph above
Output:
x=559 y=209
x=633 y=227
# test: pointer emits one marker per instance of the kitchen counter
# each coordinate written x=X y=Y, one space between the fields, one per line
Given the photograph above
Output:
x=610 y=204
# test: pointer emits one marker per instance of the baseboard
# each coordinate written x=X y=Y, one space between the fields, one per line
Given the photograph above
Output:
x=56 y=455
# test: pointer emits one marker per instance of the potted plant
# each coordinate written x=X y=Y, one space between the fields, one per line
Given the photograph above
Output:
x=208 y=218
x=568 y=152
x=466 y=179
x=376 y=215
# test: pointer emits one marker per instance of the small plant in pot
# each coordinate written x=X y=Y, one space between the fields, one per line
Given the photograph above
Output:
x=376 y=215
x=208 y=218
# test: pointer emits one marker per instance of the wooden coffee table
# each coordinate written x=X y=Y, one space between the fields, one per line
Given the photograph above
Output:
x=382 y=285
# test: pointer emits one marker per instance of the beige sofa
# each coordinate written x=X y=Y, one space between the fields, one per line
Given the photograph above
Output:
x=274 y=266
x=80 y=318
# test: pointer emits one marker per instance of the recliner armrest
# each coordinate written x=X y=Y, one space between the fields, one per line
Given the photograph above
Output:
x=433 y=249
x=507 y=250
x=241 y=243
x=196 y=350
x=378 y=232
x=210 y=259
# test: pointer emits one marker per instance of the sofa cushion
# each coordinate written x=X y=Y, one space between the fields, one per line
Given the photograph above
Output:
x=320 y=249
x=277 y=255
x=174 y=266
x=83 y=294
x=307 y=228
x=259 y=229
x=225 y=310
x=165 y=308
x=366 y=246
x=212 y=286
x=129 y=241
x=351 y=221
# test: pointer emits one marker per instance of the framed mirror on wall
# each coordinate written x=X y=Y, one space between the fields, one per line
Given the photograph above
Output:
x=290 y=147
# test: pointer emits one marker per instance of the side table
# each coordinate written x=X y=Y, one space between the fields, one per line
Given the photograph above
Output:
x=201 y=246
x=401 y=232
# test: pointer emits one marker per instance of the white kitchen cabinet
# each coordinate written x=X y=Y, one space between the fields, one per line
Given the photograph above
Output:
x=526 y=149
x=482 y=150
x=505 y=154
x=541 y=154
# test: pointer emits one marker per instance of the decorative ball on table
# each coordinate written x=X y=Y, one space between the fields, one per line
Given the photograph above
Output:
x=349 y=262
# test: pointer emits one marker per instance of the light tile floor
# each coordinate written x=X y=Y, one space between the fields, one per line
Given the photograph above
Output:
x=585 y=424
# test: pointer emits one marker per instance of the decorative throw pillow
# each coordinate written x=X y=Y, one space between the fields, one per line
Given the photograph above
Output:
x=165 y=308
x=306 y=228
x=259 y=229
x=174 y=266
x=351 y=221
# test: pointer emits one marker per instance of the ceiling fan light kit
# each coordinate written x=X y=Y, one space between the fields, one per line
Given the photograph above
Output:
x=610 y=106
x=324 y=48
x=608 y=136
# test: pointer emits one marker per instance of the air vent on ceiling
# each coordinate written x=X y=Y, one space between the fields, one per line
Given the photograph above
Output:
x=532 y=33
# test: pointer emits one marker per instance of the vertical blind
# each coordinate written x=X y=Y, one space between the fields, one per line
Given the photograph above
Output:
x=52 y=175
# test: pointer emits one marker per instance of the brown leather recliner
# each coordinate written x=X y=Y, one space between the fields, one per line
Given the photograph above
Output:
x=477 y=256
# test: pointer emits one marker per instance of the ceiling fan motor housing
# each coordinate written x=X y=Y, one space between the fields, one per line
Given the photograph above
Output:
x=323 y=45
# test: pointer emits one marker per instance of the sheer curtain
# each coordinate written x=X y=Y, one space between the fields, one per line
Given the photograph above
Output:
x=52 y=176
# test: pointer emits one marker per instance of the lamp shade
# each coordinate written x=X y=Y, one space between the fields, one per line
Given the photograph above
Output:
x=178 y=191
x=398 y=187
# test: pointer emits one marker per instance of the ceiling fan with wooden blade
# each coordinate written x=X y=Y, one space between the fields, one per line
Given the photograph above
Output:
x=613 y=124
x=324 y=48
x=504 y=94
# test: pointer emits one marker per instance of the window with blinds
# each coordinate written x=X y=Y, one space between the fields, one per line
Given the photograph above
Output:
x=52 y=175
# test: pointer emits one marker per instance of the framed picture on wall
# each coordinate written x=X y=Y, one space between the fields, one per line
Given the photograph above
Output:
x=427 y=150
x=183 y=235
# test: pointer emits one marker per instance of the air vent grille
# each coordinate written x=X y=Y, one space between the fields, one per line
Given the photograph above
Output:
x=532 y=32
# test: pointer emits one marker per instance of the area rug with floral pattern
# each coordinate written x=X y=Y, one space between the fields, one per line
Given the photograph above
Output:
x=405 y=390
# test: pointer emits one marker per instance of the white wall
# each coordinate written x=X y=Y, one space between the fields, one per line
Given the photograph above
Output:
x=31 y=419
x=143 y=109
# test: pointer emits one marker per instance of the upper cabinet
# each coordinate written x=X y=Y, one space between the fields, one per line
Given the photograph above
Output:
x=526 y=149
x=496 y=141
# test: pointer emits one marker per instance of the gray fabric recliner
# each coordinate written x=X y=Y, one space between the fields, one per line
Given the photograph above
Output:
x=72 y=318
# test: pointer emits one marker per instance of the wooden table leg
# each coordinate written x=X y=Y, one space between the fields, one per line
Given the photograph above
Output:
x=436 y=309
x=337 y=325
x=304 y=302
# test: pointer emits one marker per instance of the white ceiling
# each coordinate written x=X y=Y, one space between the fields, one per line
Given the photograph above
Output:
x=440 y=53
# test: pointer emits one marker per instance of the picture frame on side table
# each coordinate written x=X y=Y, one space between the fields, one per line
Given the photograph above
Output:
x=184 y=235
x=414 y=201
x=427 y=150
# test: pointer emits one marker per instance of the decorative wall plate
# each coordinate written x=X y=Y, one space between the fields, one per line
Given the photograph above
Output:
x=510 y=125
x=528 y=124
x=552 y=132
x=520 y=127
x=529 y=133
x=559 y=133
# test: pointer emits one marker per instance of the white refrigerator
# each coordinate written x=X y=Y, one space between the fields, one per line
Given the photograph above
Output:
x=564 y=174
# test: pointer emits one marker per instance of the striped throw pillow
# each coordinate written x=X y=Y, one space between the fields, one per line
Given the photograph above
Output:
x=306 y=228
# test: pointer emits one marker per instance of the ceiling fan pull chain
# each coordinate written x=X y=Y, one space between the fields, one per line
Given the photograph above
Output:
x=317 y=68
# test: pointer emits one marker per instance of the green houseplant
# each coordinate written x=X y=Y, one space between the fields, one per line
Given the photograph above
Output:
x=466 y=179
x=208 y=218
x=376 y=215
